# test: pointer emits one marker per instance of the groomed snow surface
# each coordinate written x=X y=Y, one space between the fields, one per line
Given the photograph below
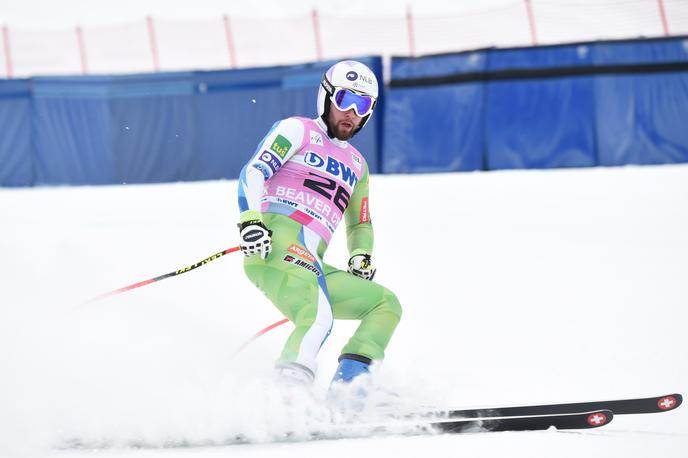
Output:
x=517 y=287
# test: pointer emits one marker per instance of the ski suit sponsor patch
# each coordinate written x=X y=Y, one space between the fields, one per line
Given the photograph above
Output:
x=357 y=161
x=301 y=263
x=271 y=161
x=316 y=138
x=365 y=215
x=316 y=207
x=332 y=167
x=281 y=146
x=301 y=252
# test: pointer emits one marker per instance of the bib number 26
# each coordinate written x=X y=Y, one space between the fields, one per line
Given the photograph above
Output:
x=328 y=188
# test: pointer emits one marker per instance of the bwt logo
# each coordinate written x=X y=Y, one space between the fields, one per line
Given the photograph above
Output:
x=332 y=166
x=352 y=76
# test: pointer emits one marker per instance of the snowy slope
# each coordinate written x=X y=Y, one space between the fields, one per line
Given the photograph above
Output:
x=517 y=287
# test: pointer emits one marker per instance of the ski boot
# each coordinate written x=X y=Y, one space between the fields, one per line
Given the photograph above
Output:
x=350 y=384
x=350 y=367
x=294 y=383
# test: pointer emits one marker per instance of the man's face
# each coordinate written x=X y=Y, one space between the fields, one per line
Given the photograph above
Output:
x=343 y=123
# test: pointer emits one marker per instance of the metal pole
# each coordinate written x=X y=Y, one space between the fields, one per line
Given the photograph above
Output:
x=82 y=50
x=8 y=51
x=153 y=43
x=531 y=22
x=316 y=32
x=230 y=42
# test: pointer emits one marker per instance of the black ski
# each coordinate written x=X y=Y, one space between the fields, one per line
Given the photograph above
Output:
x=408 y=427
x=587 y=420
x=619 y=407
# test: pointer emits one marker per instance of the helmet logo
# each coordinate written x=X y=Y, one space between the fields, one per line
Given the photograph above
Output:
x=352 y=76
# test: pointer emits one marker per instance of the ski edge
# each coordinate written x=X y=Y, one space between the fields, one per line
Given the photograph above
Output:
x=655 y=404
x=582 y=420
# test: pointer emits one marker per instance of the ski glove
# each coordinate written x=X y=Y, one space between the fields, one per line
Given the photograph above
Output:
x=361 y=266
x=255 y=238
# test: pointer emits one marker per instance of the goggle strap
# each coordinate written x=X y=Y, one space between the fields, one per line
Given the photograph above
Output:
x=327 y=85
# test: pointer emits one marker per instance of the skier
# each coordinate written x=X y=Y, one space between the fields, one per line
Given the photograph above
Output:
x=303 y=178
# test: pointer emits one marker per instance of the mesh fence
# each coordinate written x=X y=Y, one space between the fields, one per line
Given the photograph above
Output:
x=153 y=44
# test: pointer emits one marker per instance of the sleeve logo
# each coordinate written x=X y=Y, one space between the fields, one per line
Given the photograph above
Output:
x=281 y=146
x=316 y=138
x=268 y=158
x=301 y=252
x=357 y=161
x=303 y=264
x=365 y=213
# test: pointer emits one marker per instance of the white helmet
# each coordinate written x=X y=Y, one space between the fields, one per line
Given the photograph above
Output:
x=351 y=75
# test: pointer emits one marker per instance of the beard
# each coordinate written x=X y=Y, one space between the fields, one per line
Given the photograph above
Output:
x=343 y=130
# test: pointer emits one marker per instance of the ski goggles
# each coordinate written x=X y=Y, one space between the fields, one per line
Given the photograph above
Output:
x=345 y=99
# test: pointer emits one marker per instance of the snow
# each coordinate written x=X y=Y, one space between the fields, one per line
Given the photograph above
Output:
x=517 y=287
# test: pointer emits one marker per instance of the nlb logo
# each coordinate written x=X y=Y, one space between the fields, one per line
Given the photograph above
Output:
x=332 y=166
x=353 y=76
x=271 y=160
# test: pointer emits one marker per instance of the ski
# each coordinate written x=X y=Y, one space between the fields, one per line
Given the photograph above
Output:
x=619 y=407
x=406 y=427
x=586 y=420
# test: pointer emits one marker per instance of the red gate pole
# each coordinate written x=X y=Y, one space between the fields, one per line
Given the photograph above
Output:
x=8 y=51
x=662 y=14
x=531 y=22
x=230 y=41
x=411 y=34
x=82 y=49
x=316 y=32
x=153 y=43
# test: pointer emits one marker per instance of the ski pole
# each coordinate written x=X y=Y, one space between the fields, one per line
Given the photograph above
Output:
x=162 y=277
x=258 y=334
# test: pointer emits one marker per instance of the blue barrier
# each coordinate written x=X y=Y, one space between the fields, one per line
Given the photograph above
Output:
x=585 y=104
x=574 y=105
x=434 y=128
x=153 y=127
x=15 y=141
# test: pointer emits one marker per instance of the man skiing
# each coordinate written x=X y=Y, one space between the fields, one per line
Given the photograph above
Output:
x=302 y=180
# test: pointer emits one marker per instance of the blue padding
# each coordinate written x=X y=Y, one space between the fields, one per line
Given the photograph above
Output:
x=642 y=119
x=640 y=52
x=561 y=56
x=15 y=141
x=106 y=130
x=540 y=123
x=155 y=127
x=503 y=120
x=440 y=65
x=205 y=125
x=434 y=128
x=153 y=138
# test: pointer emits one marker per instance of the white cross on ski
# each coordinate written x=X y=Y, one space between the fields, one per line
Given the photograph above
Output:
x=597 y=419
x=667 y=403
